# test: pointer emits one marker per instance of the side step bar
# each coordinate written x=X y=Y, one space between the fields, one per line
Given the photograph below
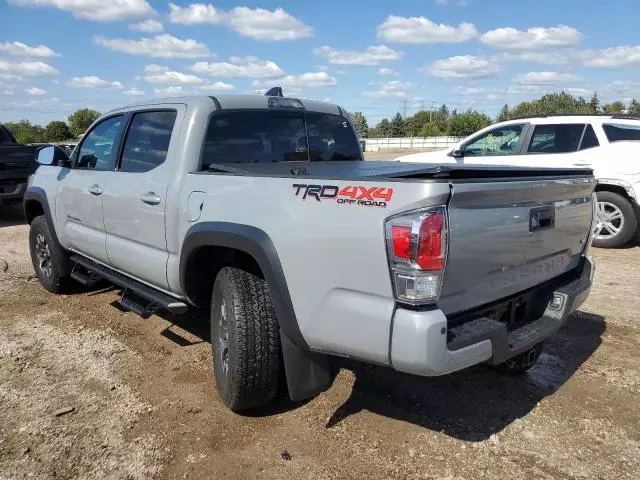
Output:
x=150 y=294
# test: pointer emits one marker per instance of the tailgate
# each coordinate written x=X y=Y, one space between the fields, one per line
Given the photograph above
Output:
x=509 y=236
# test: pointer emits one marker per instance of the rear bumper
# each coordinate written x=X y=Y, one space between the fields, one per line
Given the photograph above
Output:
x=422 y=344
x=12 y=192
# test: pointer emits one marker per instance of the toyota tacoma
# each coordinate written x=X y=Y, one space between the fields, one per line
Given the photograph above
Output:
x=262 y=210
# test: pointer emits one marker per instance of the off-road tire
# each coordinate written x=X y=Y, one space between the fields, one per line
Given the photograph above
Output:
x=630 y=221
x=522 y=362
x=253 y=340
x=54 y=274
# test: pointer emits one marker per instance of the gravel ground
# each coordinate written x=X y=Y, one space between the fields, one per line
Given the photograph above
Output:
x=144 y=407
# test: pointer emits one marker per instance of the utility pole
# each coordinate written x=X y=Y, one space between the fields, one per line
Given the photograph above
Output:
x=405 y=103
x=433 y=104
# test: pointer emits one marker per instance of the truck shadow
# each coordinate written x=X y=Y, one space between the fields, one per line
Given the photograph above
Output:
x=469 y=405
x=11 y=215
x=476 y=403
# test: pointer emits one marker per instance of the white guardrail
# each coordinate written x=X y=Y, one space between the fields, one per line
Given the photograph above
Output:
x=377 y=144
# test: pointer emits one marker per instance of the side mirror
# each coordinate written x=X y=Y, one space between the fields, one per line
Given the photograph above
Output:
x=457 y=153
x=46 y=155
x=52 y=155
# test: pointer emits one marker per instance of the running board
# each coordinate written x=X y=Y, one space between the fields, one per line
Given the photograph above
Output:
x=152 y=295
x=86 y=278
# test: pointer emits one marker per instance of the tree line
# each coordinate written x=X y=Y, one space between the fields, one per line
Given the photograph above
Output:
x=442 y=122
x=57 y=131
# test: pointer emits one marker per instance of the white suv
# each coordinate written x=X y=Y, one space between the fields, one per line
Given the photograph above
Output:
x=609 y=144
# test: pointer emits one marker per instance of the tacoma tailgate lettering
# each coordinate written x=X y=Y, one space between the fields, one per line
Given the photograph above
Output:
x=350 y=195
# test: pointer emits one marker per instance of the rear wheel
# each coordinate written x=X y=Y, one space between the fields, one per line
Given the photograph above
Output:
x=50 y=261
x=522 y=362
x=245 y=340
x=616 y=221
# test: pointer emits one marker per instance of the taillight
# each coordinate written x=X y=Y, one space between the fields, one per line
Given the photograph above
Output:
x=430 y=247
x=416 y=245
x=401 y=241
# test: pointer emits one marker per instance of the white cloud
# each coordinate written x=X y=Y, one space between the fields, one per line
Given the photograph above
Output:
x=35 y=91
x=160 y=46
x=217 y=86
x=134 y=92
x=170 y=91
x=92 y=81
x=9 y=77
x=147 y=26
x=23 y=50
x=98 y=10
x=625 y=86
x=239 y=67
x=308 y=79
x=387 y=72
x=30 y=69
x=370 y=56
x=579 y=91
x=463 y=66
x=261 y=24
x=546 y=78
x=391 y=89
x=615 y=57
x=195 y=13
x=547 y=58
x=525 y=90
x=256 y=23
x=468 y=90
x=533 y=39
x=421 y=30
x=161 y=74
x=7 y=92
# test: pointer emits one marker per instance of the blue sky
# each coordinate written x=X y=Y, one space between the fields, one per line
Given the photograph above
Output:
x=375 y=57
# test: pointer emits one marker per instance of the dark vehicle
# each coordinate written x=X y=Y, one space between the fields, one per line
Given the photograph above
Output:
x=17 y=162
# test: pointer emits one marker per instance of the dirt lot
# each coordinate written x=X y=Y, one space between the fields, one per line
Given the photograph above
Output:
x=144 y=406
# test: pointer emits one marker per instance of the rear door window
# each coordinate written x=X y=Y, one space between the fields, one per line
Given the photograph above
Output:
x=556 y=138
x=147 y=141
x=268 y=136
x=619 y=132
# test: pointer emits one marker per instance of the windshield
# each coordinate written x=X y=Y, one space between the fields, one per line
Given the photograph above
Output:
x=269 y=136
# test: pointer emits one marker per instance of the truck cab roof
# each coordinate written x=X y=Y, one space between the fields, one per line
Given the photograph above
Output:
x=237 y=102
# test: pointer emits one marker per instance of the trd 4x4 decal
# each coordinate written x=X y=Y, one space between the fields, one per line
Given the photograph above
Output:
x=349 y=195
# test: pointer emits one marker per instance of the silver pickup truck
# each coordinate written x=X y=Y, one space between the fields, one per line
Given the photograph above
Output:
x=260 y=209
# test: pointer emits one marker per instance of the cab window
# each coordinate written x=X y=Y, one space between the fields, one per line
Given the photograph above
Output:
x=556 y=138
x=98 y=149
x=147 y=141
x=503 y=140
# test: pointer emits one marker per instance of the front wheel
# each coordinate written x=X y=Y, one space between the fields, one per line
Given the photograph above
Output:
x=50 y=261
x=616 y=221
x=245 y=340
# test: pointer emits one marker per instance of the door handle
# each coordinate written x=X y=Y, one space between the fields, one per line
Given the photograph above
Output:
x=95 y=190
x=150 y=198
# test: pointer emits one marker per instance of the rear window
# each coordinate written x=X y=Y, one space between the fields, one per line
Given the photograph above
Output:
x=556 y=138
x=620 y=132
x=268 y=136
